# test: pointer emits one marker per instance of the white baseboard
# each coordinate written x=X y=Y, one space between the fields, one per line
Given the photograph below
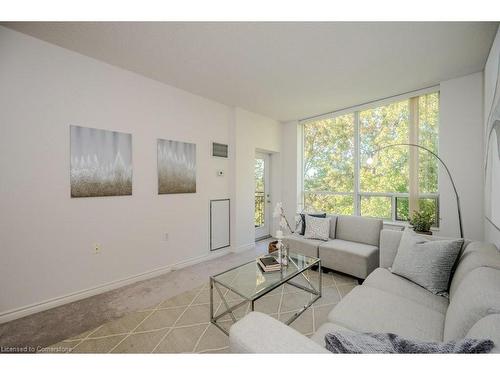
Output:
x=21 y=312
x=241 y=248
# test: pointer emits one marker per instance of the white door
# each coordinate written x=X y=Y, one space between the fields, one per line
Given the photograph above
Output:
x=262 y=215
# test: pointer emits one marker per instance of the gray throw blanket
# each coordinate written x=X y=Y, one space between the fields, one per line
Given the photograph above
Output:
x=352 y=342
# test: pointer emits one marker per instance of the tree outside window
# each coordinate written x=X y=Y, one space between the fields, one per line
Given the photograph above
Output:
x=333 y=182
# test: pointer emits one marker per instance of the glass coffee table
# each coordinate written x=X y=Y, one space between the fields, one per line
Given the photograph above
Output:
x=251 y=283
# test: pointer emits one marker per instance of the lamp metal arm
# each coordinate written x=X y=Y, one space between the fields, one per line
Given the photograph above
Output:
x=445 y=167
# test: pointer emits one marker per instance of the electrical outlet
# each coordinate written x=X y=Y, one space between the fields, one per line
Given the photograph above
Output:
x=97 y=248
x=165 y=237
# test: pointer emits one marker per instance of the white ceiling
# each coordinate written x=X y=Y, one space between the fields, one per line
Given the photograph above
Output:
x=286 y=71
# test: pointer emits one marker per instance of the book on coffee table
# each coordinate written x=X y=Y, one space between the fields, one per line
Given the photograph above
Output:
x=268 y=263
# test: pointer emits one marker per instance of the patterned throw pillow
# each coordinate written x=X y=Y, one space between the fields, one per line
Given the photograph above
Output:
x=303 y=221
x=426 y=262
x=317 y=228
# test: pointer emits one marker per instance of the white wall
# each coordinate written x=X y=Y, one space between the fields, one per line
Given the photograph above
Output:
x=292 y=169
x=46 y=237
x=461 y=147
x=491 y=234
x=252 y=133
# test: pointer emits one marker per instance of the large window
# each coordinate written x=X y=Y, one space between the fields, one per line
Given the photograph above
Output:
x=337 y=178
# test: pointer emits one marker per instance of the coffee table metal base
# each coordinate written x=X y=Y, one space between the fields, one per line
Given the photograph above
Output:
x=229 y=310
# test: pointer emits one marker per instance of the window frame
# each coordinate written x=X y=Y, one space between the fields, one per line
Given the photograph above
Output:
x=357 y=194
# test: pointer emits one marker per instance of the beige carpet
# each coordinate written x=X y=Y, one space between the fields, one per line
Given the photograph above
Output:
x=181 y=324
x=70 y=320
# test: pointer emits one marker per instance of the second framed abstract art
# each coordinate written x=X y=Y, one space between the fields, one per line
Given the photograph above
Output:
x=176 y=167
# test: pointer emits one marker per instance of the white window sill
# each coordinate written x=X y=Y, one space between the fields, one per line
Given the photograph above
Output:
x=402 y=225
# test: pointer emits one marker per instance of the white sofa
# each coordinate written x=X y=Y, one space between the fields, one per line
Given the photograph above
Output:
x=389 y=303
x=353 y=247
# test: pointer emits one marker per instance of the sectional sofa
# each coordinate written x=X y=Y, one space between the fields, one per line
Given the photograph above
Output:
x=353 y=247
x=386 y=302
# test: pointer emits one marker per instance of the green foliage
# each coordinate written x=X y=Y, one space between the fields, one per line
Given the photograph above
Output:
x=330 y=203
x=427 y=205
x=329 y=158
x=421 y=220
x=259 y=210
x=259 y=175
x=329 y=164
x=259 y=193
x=402 y=209
x=428 y=112
x=379 y=206
x=380 y=127
x=329 y=154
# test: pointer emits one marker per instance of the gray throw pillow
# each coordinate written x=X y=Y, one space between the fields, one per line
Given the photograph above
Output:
x=426 y=262
x=317 y=228
x=358 y=343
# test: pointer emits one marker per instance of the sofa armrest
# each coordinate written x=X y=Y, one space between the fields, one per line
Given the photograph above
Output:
x=389 y=243
x=260 y=333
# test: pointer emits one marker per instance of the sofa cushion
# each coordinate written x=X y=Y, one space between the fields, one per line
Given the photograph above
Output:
x=383 y=279
x=299 y=244
x=319 y=335
x=477 y=296
x=475 y=255
x=487 y=328
x=389 y=243
x=367 y=309
x=353 y=258
x=333 y=225
x=425 y=262
x=359 y=229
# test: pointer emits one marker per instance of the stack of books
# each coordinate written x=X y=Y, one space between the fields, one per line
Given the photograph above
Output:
x=268 y=264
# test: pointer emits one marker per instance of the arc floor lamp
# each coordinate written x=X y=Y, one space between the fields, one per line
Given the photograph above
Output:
x=372 y=155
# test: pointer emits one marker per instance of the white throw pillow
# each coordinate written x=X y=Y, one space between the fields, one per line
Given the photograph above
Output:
x=317 y=228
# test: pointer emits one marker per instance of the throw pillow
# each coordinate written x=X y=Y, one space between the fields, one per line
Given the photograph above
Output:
x=353 y=342
x=317 y=228
x=303 y=221
x=426 y=262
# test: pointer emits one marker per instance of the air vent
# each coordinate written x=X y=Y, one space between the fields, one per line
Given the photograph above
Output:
x=219 y=150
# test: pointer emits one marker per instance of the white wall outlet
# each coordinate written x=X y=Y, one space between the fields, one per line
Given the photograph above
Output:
x=165 y=237
x=97 y=248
